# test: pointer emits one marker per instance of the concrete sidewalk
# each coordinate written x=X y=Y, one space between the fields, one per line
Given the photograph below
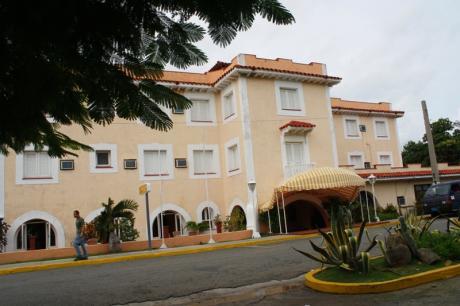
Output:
x=138 y=255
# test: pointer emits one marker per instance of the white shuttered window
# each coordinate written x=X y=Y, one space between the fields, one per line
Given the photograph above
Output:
x=229 y=110
x=155 y=163
x=201 y=111
x=385 y=159
x=381 y=129
x=357 y=161
x=203 y=162
x=233 y=158
x=37 y=165
x=289 y=99
x=295 y=153
x=351 y=126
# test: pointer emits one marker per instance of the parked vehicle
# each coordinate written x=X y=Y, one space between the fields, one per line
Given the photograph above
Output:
x=442 y=198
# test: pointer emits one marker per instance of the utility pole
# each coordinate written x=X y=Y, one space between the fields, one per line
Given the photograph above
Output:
x=431 y=151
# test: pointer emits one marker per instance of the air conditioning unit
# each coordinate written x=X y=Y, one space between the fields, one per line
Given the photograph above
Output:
x=367 y=165
x=180 y=162
x=130 y=164
x=362 y=128
x=178 y=110
x=67 y=164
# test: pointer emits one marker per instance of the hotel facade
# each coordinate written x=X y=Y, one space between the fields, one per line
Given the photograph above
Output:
x=252 y=119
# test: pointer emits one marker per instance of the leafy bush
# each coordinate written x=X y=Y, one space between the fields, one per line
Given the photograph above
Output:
x=203 y=226
x=127 y=230
x=192 y=226
x=446 y=245
x=388 y=213
x=235 y=222
x=3 y=229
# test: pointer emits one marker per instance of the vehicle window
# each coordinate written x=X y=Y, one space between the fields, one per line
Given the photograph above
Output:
x=438 y=190
x=455 y=188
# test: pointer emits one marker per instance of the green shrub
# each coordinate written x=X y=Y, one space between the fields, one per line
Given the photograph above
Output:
x=388 y=213
x=3 y=229
x=446 y=245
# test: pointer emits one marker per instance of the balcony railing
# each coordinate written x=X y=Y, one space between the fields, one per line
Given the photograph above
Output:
x=293 y=169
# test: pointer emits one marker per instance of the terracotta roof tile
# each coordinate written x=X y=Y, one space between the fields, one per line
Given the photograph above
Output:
x=301 y=124
x=410 y=173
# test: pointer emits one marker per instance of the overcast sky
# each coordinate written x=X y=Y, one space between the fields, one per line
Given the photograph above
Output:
x=395 y=51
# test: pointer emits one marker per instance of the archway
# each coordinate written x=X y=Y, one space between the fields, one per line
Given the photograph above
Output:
x=35 y=234
x=238 y=220
x=35 y=230
x=175 y=219
x=304 y=212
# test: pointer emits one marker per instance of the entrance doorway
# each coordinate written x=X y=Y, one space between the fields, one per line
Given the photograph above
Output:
x=303 y=215
x=35 y=234
x=173 y=224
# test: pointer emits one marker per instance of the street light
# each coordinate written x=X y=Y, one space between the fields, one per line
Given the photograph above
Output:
x=252 y=188
x=372 y=179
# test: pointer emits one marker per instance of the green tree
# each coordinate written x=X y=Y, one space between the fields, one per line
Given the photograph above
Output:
x=87 y=61
x=106 y=222
x=446 y=138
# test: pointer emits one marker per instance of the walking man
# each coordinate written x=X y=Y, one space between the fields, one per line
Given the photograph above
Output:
x=79 y=241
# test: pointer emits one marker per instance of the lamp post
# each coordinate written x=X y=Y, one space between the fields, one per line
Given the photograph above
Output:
x=372 y=179
x=252 y=188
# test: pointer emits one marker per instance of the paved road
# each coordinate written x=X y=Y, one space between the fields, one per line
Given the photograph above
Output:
x=159 y=278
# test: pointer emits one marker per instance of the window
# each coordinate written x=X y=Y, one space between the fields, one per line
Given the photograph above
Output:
x=200 y=111
x=36 y=167
x=207 y=214
x=356 y=160
x=351 y=128
x=289 y=98
x=228 y=105
x=296 y=157
x=420 y=190
x=203 y=161
x=104 y=158
x=401 y=200
x=203 y=110
x=233 y=160
x=381 y=130
x=385 y=158
x=155 y=162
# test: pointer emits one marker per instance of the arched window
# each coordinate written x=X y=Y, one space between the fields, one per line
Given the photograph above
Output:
x=207 y=213
x=35 y=234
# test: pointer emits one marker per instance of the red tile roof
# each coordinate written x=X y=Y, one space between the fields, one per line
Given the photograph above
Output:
x=300 y=124
x=410 y=173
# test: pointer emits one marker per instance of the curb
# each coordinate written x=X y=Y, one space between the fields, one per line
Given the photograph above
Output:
x=380 y=287
x=99 y=261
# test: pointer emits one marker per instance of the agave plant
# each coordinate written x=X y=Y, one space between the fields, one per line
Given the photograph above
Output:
x=416 y=225
x=341 y=247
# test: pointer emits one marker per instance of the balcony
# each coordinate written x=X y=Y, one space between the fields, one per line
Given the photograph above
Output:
x=295 y=168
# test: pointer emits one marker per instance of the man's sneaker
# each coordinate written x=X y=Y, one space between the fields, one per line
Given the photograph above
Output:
x=80 y=258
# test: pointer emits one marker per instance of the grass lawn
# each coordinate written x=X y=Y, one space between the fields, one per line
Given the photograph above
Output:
x=379 y=272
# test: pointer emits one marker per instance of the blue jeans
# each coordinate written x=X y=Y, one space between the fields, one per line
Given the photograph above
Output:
x=80 y=242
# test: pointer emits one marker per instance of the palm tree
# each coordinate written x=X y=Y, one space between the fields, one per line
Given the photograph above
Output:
x=106 y=224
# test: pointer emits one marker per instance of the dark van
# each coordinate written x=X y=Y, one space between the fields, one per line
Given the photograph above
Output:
x=443 y=198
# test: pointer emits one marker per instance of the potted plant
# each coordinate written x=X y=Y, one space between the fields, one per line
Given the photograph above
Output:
x=90 y=234
x=203 y=226
x=218 y=222
x=192 y=228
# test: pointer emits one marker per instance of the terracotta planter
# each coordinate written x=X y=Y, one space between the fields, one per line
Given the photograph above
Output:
x=219 y=227
x=32 y=243
x=92 y=241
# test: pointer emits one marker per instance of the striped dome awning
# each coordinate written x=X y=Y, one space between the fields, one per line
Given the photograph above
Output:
x=324 y=182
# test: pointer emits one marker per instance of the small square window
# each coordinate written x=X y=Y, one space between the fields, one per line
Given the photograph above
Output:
x=228 y=106
x=401 y=200
x=102 y=158
x=201 y=111
x=381 y=129
x=67 y=164
x=178 y=111
x=351 y=127
x=356 y=161
x=289 y=99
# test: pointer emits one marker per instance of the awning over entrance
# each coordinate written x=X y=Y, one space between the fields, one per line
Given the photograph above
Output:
x=323 y=182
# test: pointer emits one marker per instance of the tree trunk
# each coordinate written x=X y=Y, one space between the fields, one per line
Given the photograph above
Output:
x=114 y=243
